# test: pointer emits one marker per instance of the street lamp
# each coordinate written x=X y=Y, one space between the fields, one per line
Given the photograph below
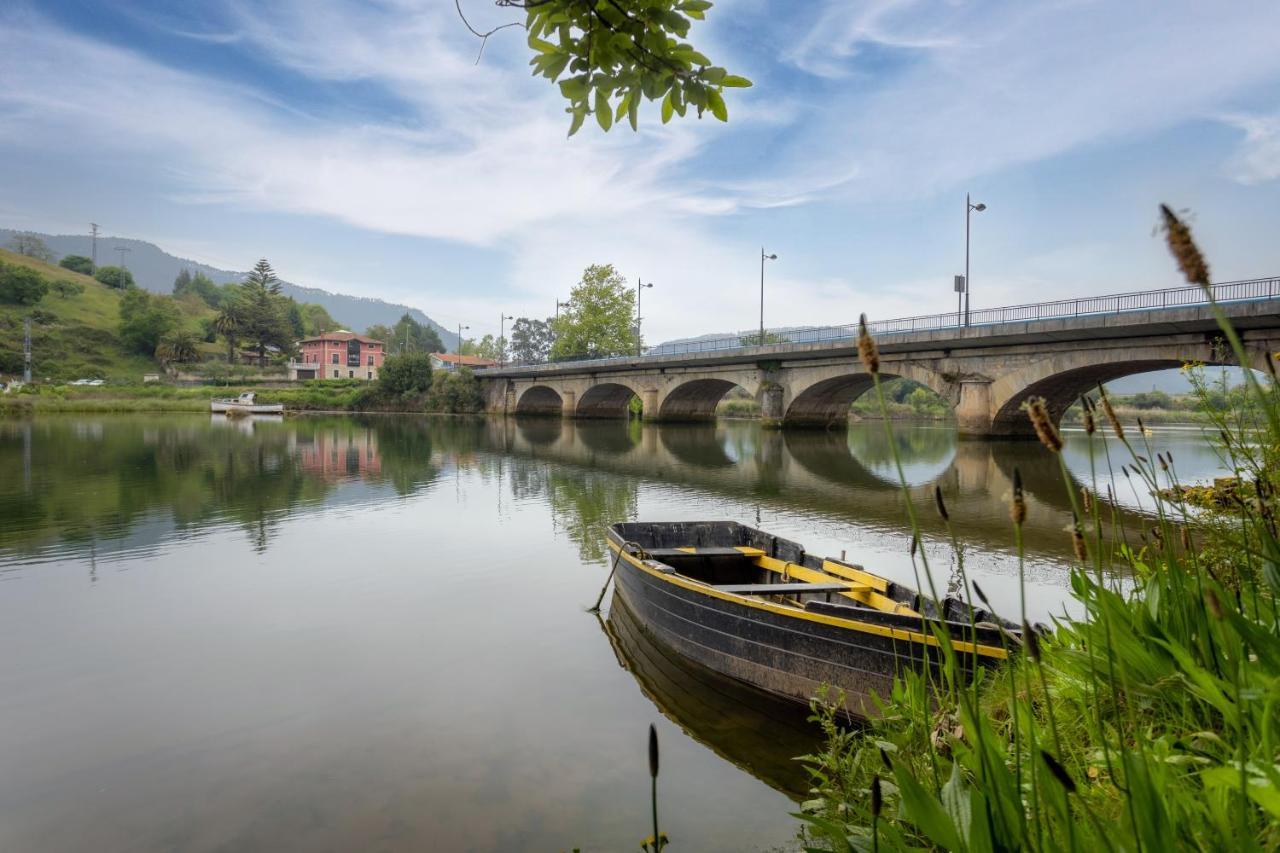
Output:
x=458 y=349
x=763 y=258
x=502 y=338
x=639 y=288
x=969 y=208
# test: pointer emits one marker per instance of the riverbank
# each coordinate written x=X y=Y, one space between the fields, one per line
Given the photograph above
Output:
x=449 y=394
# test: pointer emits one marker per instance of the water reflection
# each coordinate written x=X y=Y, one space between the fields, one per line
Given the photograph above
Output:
x=757 y=732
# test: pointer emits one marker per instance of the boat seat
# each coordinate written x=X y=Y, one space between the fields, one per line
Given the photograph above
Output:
x=660 y=553
x=780 y=588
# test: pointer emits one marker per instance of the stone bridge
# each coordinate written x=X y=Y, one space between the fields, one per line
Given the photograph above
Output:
x=985 y=371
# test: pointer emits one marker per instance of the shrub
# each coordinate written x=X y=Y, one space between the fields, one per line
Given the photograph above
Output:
x=77 y=263
x=67 y=288
x=116 y=277
x=457 y=392
x=405 y=374
x=21 y=286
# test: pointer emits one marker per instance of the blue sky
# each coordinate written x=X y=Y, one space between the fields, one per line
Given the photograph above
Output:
x=361 y=148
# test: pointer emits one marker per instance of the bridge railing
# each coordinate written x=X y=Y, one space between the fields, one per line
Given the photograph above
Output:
x=1248 y=290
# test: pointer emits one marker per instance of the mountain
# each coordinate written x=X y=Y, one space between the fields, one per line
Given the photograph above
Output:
x=155 y=269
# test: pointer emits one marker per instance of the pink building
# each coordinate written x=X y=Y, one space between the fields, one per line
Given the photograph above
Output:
x=338 y=355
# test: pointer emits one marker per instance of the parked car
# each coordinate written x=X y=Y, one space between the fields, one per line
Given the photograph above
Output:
x=88 y=382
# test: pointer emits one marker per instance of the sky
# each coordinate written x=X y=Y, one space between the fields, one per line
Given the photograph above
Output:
x=362 y=148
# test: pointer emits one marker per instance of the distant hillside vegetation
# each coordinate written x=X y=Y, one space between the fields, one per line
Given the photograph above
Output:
x=155 y=269
x=74 y=328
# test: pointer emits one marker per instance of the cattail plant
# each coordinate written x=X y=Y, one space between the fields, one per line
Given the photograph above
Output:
x=1043 y=424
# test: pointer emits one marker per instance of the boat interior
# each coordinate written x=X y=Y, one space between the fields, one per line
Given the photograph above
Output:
x=741 y=560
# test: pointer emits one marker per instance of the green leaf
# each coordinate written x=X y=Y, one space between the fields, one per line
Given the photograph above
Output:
x=575 y=88
x=668 y=107
x=716 y=104
x=579 y=116
x=604 y=115
x=624 y=105
x=925 y=813
x=633 y=110
x=733 y=81
x=542 y=46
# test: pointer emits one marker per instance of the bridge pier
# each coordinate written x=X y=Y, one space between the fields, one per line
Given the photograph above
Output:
x=569 y=405
x=773 y=408
x=973 y=411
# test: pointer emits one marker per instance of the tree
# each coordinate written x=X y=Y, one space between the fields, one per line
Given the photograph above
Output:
x=178 y=346
x=407 y=335
x=457 y=391
x=21 y=285
x=293 y=314
x=29 y=244
x=117 y=277
x=488 y=347
x=530 y=340
x=409 y=373
x=183 y=283
x=600 y=318
x=624 y=49
x=66 y=288
x=77 y=263
x=317 y=320
x=145 y=319
x=229 y=323
x=212 y=294
x=263 y=311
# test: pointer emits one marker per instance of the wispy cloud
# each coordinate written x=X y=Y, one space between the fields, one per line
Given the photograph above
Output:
x=1258 y=158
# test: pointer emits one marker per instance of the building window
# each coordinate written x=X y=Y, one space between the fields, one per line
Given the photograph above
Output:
x=335 y=360
x=351 y=374
x=335 y=374
x=369 y=375
x=371 y=361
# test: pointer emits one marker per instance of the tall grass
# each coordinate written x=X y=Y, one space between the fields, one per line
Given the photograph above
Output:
x=1151 y=722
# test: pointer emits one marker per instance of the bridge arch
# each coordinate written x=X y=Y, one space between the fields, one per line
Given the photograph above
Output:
x=695 y=400
x=1062 y=385
x=605 y=400
x=540 y=400
x=825 y=402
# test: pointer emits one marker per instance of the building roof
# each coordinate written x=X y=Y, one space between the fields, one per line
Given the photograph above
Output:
x=463 y=360
x=341 y=335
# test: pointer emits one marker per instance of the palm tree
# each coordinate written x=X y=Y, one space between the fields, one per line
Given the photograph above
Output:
x=229 y=323
x=179 y=347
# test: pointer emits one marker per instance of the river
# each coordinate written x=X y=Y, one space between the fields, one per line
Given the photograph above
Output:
x=371 y=633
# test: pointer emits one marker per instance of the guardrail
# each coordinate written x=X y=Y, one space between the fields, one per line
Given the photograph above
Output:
x=1248 y=290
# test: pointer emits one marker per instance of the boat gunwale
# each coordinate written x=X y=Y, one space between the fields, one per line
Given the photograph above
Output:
x=902 y=634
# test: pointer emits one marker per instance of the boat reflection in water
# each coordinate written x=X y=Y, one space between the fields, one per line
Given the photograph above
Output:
x=757 y=732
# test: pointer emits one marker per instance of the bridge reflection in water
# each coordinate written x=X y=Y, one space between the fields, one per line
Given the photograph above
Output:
x=846 y=475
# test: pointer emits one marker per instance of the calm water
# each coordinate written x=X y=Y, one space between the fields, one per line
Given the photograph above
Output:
x=348 y=634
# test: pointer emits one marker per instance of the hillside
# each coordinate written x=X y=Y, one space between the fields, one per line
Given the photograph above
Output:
x=155 y=269
x=73 y=337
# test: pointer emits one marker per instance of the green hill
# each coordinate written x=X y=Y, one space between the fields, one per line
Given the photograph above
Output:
x=75 y=336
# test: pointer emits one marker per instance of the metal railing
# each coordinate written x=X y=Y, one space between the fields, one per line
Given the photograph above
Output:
x=1249 y=290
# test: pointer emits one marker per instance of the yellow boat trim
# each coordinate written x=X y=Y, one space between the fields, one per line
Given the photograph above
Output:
x=842 y=570
x=860 y=592
x=796 y=613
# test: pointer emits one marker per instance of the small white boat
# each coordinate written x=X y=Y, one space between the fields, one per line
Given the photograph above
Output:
x=244 y=404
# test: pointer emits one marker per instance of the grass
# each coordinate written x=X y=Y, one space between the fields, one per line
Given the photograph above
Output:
x=1149 y=723
x=75 y=336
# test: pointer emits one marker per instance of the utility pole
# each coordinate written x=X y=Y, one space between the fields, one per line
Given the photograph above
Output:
x=123 y=269
x=26 y=351
x=93 y=237
x=969 y=208
x=457 y=350
x=502 y=338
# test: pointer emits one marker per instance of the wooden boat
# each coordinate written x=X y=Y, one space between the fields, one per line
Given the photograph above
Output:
x=244 y=404
x=757 y=608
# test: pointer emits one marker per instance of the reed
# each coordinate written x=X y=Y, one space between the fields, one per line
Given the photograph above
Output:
x=1149 y=723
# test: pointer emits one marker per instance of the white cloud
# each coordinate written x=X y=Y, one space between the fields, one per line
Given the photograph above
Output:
x=1258 y=158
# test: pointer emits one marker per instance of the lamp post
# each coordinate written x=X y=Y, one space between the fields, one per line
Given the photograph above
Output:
x=969 y=208
x=458 y=349
x=639 y=288
x=763 y=258
x=502 y=338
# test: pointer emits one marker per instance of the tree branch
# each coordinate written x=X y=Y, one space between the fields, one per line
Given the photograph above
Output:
x=484 y=37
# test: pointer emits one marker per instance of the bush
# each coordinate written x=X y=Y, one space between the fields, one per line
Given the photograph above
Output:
x=405 y=374
x=457 y=392
x=67 y=288
x=21 y=286
x=77 y=263
x=116 y=277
